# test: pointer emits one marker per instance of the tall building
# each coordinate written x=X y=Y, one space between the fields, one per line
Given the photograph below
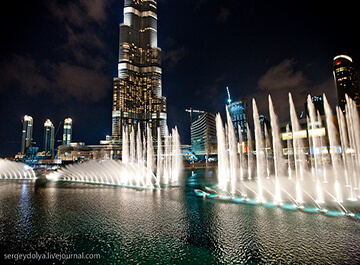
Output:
x=49 y=140
x=137 y=90
x=238 y=114
x=67 y=136
x=203 y=134
x=27 y=132
x=346 y=80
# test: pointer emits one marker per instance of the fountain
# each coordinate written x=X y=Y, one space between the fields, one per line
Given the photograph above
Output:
x=260 y=154
x=14 y=170
x=137 y=169
x=310 y=177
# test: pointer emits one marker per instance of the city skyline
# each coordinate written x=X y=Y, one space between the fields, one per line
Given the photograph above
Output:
x=65 y=66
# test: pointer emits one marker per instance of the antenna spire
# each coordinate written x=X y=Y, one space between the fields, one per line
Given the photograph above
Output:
x=229 y=99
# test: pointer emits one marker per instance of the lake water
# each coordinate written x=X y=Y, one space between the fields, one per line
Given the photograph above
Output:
x=167 y=226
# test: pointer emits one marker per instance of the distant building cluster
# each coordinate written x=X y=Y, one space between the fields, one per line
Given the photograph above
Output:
x=66 y=151
x=30 y=152
x=203 y=127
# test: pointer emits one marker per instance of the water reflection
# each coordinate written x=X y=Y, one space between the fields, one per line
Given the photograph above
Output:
x=167 y=226
x=269 y=234
x=25 y=212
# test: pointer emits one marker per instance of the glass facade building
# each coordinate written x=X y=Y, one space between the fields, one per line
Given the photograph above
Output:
x=137 y=90
x=49 y=140
x=346 y=80
x=238 y=114
x=27 y=133
x=67 y=136
x=203 y=134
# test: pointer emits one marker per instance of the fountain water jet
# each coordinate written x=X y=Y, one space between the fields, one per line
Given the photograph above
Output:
x=137 y=167
x=298 y=149
x=318 y=181
x=14 y=170
x=277 y=147
x=334 y=143
x=260 y=154
x=232 y=153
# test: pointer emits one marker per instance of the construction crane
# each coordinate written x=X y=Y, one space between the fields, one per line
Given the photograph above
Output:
x=229 y=99
x=191 y=112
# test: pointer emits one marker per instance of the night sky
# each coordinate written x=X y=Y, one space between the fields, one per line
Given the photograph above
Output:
x=58 y=58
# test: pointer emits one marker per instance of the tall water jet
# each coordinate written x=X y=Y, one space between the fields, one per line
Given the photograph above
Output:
x=315 y=145
x=311 y=147
x=323 y=154
x=313 y=138
x=159 y=161
x=267 y=151
x=277 y=150
x=345 y=149
x=232 y=152
x=139 y=151
x=352 y=118
x=260 y=159
x=289 y=147
x=223 y=162
x=125 y=145
x=176 y=159
x=250 y=152
x=299 y=157
x=132 y=146
x=334 y=143
x=149 y=157
x=241 y=153
x=167 y=160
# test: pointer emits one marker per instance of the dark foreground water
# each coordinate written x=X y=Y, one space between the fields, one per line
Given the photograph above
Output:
x=168 y=226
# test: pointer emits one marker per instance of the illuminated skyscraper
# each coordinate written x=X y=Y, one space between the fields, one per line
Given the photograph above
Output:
x=27 y=132
x=203 y=134
x=49 y=140
x=346 y=80
x=137 y=91
x=67 y=136
x=238 y=114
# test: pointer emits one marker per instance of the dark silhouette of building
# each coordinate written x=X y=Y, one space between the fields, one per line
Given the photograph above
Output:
x=318 y=104
x=265 y=125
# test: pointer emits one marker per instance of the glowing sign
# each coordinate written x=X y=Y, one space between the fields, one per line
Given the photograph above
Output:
x=317 y=132
x=297 y=135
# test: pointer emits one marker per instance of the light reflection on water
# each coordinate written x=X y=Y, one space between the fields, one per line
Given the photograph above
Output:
x=168 y=226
